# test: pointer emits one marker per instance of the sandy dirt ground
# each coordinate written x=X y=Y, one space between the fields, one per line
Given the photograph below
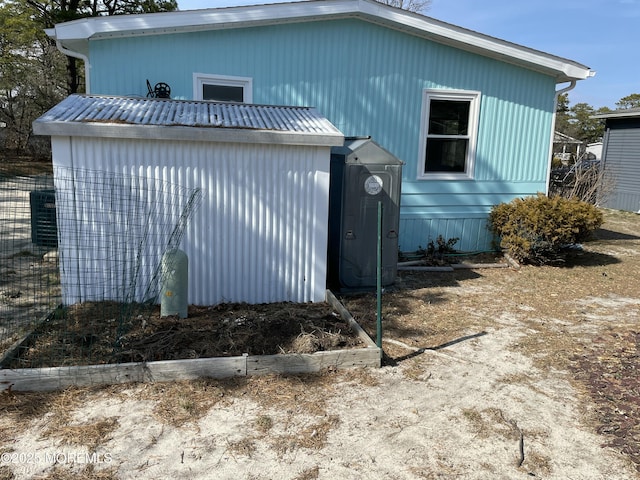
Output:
x=481 y=380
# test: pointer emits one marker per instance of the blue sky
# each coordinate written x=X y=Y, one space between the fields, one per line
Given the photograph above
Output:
x=601 y=34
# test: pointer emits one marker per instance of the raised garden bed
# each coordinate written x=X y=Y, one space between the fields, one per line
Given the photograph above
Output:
x=218 y=342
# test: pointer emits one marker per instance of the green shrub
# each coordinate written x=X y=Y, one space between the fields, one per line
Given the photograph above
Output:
x=537 y=229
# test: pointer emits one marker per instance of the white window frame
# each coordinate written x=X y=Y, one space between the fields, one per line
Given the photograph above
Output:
x=201 y=79
x=472 y=134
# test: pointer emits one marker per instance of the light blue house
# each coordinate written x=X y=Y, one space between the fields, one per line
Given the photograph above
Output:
x=471 y=116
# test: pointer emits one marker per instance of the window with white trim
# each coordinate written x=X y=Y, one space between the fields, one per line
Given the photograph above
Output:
x=222 y=88
x=448 y=134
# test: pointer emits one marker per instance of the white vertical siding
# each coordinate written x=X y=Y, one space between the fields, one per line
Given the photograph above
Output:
x=259 y=235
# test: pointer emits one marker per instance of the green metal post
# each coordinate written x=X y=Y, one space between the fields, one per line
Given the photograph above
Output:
x=379 y=279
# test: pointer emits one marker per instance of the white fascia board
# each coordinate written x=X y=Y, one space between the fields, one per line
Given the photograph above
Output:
x=631 y=112
x=196 y=134
x=75 y=34
x=194 y=20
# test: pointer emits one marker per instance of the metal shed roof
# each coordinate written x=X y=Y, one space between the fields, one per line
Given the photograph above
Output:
x=135 y=117
x=73 y=37
x=559 y=137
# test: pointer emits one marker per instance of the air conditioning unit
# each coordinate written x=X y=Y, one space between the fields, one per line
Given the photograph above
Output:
x=44 y=229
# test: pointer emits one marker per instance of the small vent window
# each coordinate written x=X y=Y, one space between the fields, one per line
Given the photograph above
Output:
x=220 y=88
x=222 y=93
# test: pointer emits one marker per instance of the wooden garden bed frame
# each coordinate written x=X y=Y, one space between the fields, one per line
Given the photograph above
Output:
x=56 y=378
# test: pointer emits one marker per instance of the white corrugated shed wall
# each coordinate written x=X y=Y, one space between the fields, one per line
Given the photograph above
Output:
x=260 y=233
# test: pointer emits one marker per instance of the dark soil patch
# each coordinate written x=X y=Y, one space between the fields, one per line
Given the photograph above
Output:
x=95 y=333
x=609 y=370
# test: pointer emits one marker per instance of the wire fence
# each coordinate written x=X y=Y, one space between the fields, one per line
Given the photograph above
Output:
x=80 y=262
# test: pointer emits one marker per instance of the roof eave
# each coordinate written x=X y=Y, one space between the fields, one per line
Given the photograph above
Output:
x=75 y=35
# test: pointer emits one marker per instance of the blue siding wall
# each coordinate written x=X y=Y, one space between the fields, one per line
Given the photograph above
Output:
x=368 y=80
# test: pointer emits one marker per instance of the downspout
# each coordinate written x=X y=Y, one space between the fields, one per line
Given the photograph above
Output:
x=571 y=86
x=84 y=58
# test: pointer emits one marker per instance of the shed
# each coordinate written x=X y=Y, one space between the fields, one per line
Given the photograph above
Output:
x=621 y=159
x=260 y=233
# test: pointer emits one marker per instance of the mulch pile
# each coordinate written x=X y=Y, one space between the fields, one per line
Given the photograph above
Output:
x=108 y=332
x=609 y=370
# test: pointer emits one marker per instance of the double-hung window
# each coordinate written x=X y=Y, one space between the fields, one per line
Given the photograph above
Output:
x=221 y=88
x=448 y=134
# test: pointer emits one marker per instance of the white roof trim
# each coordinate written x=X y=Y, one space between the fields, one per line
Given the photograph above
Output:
x=625 y=113
x=74 y=35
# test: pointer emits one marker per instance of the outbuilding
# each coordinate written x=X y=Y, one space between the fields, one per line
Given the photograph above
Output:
x=259 y=233
x=621 y=159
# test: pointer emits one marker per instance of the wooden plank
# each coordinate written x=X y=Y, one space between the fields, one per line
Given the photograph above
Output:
x=458 y=266
x=313 y=362
x=426 y=269
x=346 y=316
x=56 y=378
x=216 y=367
x=26 y=340
x=12 y=351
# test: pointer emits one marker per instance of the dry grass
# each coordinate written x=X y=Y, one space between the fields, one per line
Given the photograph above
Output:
x=537 y=462
x=184 y=402
x=263 y=423
x=63 y=427
x=422 y=311
x=21 y=408
x=6 y=473
x=91 y=435
x=309 y=474
x=298 y=406
x=294 y=394
x=89 y=472
x=57 y=409
x=356 y=376
x=491 y=422
x=312 y=436
x=244 y=447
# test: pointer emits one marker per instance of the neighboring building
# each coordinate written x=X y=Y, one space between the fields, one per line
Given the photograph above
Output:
x=595 y=149
x=471 y=116
x=566 y=149
x=621 y=159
